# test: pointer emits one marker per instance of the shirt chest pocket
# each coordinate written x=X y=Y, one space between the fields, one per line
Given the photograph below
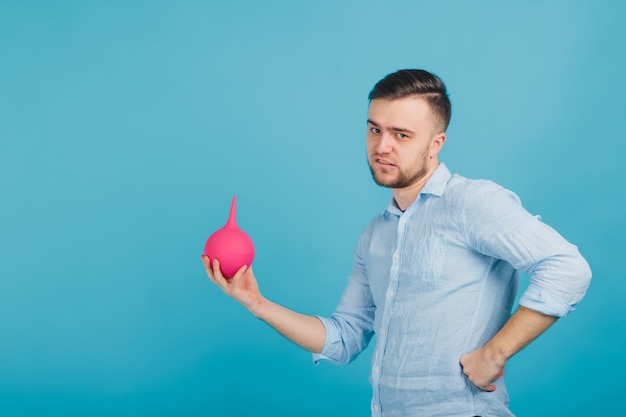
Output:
x=426 y=260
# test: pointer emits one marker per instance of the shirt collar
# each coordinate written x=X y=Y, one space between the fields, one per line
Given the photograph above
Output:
x=435 y=185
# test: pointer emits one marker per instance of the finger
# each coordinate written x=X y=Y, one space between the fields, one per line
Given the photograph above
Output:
x=487 y=387
x=462 y=360
x=235 y=280
x=218 y=277
x=206 y=261
x=217 y=271
x=492 y=387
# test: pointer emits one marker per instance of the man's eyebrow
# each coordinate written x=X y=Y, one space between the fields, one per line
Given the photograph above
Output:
x=401 y=129
x=395 y=129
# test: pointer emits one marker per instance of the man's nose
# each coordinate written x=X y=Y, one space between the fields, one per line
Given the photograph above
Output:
x=384 y=144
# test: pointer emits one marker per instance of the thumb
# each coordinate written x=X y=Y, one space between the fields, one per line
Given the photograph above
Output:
x=492 y=387
x=239 y=273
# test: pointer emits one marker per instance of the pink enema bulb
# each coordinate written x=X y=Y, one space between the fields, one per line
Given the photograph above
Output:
x=230 y=245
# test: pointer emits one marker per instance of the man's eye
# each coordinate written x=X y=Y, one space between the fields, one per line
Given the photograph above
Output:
x=375 y=130
x=401 y=135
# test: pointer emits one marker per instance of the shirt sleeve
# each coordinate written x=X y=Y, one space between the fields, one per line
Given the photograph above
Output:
x=350 y=328
x=497 y=225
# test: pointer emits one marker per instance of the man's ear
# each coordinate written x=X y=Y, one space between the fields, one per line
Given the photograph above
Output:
x=436 y=144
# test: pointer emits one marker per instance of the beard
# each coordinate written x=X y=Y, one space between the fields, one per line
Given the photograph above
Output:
x=403 y=179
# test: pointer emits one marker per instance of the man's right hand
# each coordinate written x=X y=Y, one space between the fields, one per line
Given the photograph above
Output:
x=242 y=286
x=305 y=331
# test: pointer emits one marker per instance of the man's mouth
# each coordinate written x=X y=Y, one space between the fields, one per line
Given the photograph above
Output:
x=384 y=162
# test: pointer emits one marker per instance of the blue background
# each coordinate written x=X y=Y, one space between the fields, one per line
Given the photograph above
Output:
x=127 y=127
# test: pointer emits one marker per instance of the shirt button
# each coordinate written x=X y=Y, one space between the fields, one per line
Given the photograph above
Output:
x=391 y=293
x=403 y=221
x=377 y=369
x=396 y=256
x=376 y=407
x=383 y=332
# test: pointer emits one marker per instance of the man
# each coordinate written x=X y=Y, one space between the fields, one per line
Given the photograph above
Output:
x=435 y=275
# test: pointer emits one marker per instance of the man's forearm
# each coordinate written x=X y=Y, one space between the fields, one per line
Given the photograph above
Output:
x=308 y=332
x=522 y=328
x=483 y=366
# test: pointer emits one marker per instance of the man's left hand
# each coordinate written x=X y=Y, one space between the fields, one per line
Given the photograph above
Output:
x=482 y=368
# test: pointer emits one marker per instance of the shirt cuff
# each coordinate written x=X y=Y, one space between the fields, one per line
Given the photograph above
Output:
x=332 y=339
x=536 y=299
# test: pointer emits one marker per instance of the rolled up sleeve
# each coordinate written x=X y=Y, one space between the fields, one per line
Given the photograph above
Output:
x=557 y=283
x=332 y=346
x=500 y=227
x=350 y=328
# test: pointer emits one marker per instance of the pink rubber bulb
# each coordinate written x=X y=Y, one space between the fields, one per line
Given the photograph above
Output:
x=230 y=245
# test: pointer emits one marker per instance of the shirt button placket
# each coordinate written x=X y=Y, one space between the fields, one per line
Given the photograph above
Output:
x=394 y=276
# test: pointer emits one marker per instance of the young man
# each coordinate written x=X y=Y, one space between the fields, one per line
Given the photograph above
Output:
x=435 y=275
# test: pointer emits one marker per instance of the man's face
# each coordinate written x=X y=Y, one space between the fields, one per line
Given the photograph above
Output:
x=403 y=141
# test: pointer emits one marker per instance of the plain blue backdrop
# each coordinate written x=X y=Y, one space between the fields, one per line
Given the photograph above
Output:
x=127 y=126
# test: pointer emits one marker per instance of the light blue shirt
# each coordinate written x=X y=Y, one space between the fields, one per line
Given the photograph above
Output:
x=438 y=281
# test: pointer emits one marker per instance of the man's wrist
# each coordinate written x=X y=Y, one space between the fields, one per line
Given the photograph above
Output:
x=496 y=352
x=258 y=308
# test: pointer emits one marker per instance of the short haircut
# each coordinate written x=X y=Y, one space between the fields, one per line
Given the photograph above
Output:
x=409 y=82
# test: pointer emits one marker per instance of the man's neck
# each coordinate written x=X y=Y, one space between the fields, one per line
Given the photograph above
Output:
x=404 y=197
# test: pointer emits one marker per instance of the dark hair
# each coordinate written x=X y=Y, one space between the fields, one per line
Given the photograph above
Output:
x=410 y=82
